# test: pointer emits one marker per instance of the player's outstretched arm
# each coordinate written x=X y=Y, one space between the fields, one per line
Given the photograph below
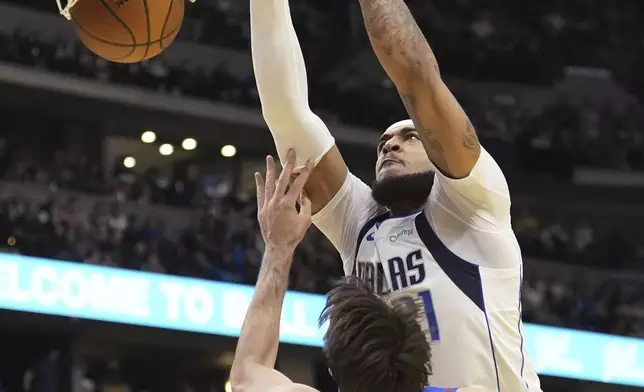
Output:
x=280 y=73
x=447 y=134
x=283 y=227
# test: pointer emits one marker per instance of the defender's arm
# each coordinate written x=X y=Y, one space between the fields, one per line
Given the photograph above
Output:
x=280 y=73
x=447 y=134
x=253 y=367
x=282 y=227
x=259 y=339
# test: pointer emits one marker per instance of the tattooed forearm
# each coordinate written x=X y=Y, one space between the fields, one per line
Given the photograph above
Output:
x=432 y=145
x=447 y=134
x=470 y=140
x=397 y=39
x=431 y=138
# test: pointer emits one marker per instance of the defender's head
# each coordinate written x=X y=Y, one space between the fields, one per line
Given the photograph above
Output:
x=373 y=346
x=404 y=173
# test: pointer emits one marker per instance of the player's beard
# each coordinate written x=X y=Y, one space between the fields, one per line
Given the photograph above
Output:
x=405 y=189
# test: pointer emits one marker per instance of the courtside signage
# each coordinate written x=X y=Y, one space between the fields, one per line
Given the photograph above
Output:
x=147 y=299
x=164 y=301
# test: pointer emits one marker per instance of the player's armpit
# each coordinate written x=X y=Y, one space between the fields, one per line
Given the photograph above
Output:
x=447 y=133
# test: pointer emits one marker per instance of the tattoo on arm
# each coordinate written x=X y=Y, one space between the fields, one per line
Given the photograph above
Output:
x=393 y=31
x=470 y=139
x=410 y=63
x=432 y=144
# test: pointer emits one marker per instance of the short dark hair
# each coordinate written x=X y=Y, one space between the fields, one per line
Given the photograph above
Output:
x=371 y=345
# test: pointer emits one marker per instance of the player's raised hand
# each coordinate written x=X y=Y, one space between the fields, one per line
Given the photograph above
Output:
x=282 y=225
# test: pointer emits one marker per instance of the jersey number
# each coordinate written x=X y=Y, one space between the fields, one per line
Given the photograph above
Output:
x=424 y=305
x=410 y=273
x=430 y=313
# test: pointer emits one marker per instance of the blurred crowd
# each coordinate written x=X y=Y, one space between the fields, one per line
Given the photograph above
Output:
x=611 y=306
x=53 y=367
x=217 y=237
x=497 y=40
x=563 y=133
x=223 y=244
x=58 y=209
x=577 y=242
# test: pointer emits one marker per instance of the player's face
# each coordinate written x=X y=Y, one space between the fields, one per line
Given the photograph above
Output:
x=400 y=153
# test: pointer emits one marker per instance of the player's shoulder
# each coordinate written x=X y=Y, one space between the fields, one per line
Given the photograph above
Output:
x=361 y=193
x=352 y=204
x=485 y=178
x=368 y=212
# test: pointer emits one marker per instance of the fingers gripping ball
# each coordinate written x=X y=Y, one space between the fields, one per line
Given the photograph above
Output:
x=127 y=31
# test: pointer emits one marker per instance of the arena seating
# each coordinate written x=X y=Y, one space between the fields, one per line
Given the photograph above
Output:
x=574 y=133
x=137 y=222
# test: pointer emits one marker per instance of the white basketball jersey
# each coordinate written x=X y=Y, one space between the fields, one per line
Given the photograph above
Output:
x=457 y=260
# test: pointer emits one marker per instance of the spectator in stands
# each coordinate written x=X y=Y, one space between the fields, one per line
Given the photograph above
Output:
x=112 y=380
x=560 y=134
x=44 y=375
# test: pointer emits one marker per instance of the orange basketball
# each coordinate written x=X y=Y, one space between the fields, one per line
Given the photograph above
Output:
x=127 y=31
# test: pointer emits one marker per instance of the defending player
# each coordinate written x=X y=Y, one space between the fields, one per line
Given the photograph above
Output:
x=370 y=346
x=435 y=227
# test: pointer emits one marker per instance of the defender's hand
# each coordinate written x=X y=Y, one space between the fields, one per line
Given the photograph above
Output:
x=283 y=227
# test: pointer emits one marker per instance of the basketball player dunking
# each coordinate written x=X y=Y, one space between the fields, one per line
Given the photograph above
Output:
x=435 y=227
x=370 y=345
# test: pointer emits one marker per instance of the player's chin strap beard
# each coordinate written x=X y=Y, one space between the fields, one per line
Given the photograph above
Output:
x=403 y=194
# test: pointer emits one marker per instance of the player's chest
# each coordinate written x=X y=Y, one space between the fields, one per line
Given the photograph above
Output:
x=392 y=256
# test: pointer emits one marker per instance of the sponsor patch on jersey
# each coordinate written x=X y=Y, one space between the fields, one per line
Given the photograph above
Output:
x=400 y=233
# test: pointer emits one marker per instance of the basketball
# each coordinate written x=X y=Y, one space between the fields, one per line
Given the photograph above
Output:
x=127 y=31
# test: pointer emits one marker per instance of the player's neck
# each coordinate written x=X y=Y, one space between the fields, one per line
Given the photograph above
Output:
x=407 y=208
